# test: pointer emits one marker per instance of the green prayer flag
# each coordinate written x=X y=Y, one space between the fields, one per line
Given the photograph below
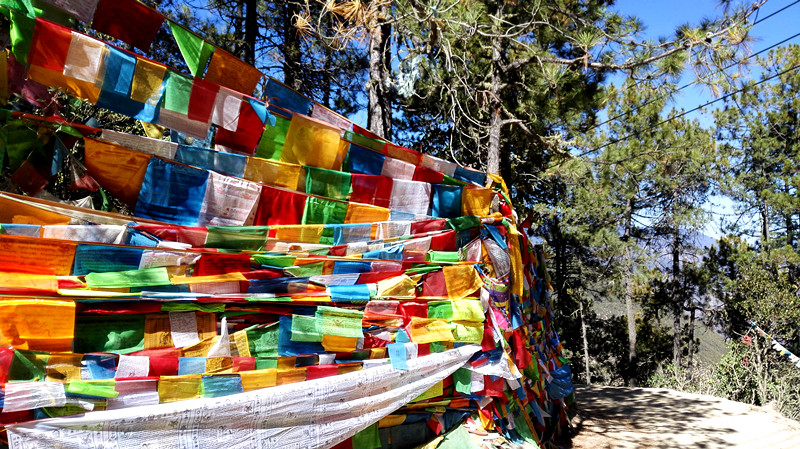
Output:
x=21 y=35
x=263 y=341
x=305 y=328
x=307 y=270
x=237 y=237
x=266 y=362
x=462 y=223
x=196 y=51
x=440 y=309
x=442 y=256
x=364 y=141
x=97 y=388
x=274 y=261
x=121 y=334
x=340 y=322
x=368 y=438
x=328 y=183
x=28 y=366
x=190 y=306
x=463 y=380
x=272 y=139
x=22 y=6
x=450 y=181
x=458 y=438
x=133 y=278
x=177 y=91
x=322 y=211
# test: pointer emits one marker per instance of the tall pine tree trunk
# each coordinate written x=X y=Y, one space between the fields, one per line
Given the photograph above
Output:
x=291 y=47
x=495 y=120
x=379 y=118
x=585 y=348
x=677 y=299
x=629 y=312
x=692 y=313
x=250 y=31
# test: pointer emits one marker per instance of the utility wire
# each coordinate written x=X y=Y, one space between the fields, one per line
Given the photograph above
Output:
x=669 y=119
x=714 y=73
x=692 y=82
x=776 y=12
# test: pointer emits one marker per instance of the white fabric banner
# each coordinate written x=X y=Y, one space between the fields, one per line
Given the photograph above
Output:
x=317 y=413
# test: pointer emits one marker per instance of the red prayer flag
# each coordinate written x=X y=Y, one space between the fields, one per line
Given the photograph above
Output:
x=277 y=207
x=221 y=263
x=50 y=45
x=445 y=241
x=371 y=189
x=129 y=21
x=425 y=174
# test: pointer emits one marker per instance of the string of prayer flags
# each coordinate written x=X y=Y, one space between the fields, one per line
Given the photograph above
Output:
x=273 y=244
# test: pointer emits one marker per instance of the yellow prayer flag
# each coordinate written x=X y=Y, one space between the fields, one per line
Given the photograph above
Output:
x=274 y=173
x=11 y=282
x=429 y=330
x=461 y=280
x=467 y=331
x=476 y=201
x=219 y=365
x=242 y=343
x=179 y=388
x=147 y=79
x=333 y=343
x=298 y=233
x=467 y=310
x=397 y=287
x=314 y=143
x=257 y=379
x=61 y=367
x=38 y=324
x=189 y=280
x=435 y=391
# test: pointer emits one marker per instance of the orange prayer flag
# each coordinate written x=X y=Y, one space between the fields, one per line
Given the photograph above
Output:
x=333 y=343
x=33 y=255
x=119 y=170
x=28 y=283
x=366 y=213
x=231 y=72
x=56 y=79
x=38 y=324
x=20 y=212
x=290 y=376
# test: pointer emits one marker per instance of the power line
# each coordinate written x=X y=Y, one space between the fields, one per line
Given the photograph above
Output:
x=776 y=12
x=669 y=119
x=714 y=73
x=693 y=82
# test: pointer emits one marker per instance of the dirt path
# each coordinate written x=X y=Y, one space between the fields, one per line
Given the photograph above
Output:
x=634 y=418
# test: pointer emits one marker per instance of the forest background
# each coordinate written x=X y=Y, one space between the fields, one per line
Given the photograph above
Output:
x=580 y=110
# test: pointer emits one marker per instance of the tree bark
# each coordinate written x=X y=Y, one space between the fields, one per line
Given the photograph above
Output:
x=495 y=120
x=585 y=348
x=676 y=296
x=291 y=48
x=250 y=31
x=690 y=356
x=379 y=119
x=629 y=312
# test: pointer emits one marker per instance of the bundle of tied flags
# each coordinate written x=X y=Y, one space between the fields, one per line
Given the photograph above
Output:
x=286 y=278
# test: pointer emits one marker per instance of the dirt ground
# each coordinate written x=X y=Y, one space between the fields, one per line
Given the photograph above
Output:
x=646 y=418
